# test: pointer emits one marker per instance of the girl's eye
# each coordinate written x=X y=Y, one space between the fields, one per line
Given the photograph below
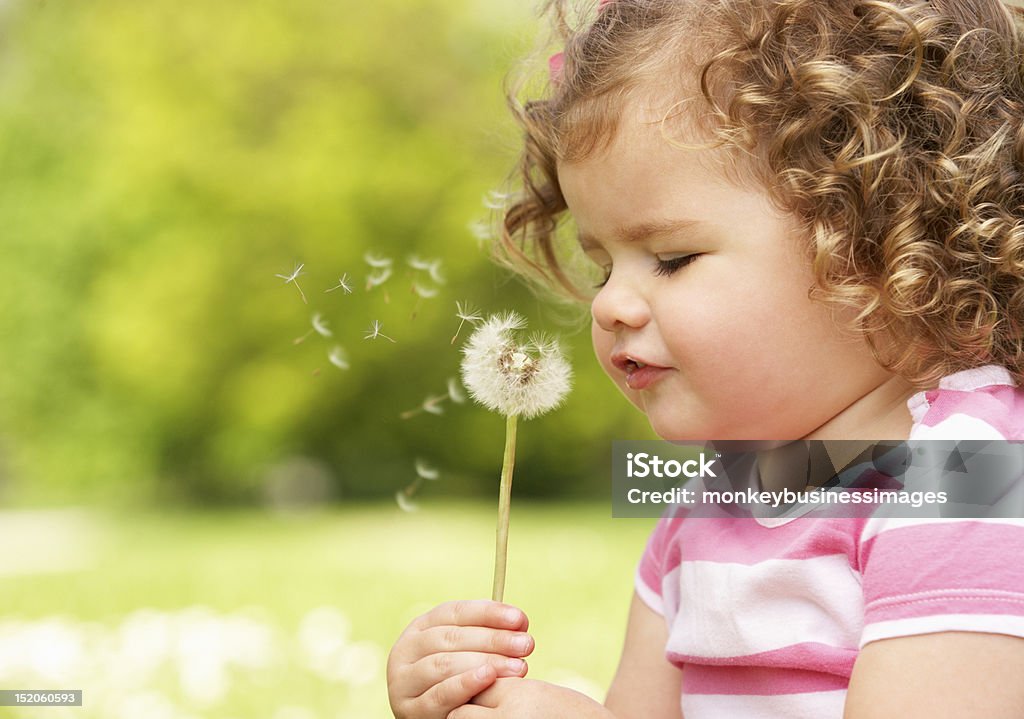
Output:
x=667 y=267
x=607 y=276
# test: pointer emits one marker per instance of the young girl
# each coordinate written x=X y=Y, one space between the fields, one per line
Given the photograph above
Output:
x=810 y=221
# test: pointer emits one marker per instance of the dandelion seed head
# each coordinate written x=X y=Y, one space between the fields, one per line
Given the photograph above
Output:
x=524 y=380
x=425 y=471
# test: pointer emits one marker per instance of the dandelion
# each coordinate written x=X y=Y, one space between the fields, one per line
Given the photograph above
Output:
x=466 y=313
x=454 y=393
x=417 y=263
x=337 y=357
x=517 y=381
x=376 y=261
x=293 y=277
x=374 y=332
x=342 y=285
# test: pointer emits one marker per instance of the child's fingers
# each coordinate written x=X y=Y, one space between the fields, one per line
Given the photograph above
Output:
x=471 y=639
x=453 y=692
x=435 y=668
x=470 y=711
x=474 y=613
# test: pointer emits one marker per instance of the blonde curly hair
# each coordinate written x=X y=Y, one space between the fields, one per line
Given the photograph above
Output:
x=892 y=130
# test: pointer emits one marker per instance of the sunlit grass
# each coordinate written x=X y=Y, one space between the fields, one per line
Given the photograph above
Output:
x=267 y=579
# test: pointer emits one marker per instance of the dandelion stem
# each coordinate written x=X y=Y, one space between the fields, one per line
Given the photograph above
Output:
x=504 y=506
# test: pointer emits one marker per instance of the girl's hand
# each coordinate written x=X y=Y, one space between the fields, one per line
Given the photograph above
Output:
x=517 y=698
x=453 y=652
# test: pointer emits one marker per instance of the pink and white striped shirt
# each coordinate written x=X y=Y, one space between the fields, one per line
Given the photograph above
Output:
x=766 y=616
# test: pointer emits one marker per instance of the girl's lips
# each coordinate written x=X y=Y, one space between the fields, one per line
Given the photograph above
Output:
x=643 y=377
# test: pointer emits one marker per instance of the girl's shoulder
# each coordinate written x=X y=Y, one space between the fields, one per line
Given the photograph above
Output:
x=979 y=403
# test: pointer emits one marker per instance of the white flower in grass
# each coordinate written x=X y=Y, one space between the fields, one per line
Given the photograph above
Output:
x=515 y=380
x=337 y=358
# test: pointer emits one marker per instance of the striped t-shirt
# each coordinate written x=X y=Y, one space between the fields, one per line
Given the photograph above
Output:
x=766 y=616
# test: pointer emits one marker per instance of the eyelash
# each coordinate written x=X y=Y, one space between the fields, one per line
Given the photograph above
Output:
x=664 y=268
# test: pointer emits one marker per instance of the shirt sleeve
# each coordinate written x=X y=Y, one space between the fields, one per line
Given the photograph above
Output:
x=651 y=568
x=921 y=576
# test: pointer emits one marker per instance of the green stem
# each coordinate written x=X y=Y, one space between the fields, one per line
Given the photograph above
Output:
x=504 y=506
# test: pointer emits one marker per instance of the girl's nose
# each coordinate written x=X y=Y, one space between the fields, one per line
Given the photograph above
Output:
x=619 y=304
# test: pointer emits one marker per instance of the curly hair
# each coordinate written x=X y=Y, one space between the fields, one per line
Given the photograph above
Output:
x=893 y=131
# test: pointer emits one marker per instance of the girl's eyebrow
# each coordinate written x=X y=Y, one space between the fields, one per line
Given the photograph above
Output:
x=642 y=231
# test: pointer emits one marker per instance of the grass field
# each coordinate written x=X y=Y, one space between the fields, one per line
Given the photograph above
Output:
x=244 y=615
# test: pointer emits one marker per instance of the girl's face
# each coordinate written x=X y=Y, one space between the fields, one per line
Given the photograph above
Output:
x=715 y=303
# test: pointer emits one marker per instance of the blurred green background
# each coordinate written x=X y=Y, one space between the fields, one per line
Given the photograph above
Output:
x=198 y=512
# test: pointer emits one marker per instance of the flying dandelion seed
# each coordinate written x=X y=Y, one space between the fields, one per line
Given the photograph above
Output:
x=377 y=261
x=495 y=200
x=342 y=285
x=431 y=405
x=480 y=231
x=337 y=358
x=435 y=272
x=423 y=291
x=293 y=277
x=418 y=263
x=454 y=392
x=375 y=279
x=425 y=471
x=402 y=496
x=374 y=332
x=320 y=325
x=465 y=313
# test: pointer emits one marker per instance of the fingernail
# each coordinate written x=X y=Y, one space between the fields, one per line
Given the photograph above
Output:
x=512 y=616
x=515 y=665
x=482 y=672
x=521 y=643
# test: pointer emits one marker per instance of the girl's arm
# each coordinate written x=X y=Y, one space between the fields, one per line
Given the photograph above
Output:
x=967 y=675
x=646 y=685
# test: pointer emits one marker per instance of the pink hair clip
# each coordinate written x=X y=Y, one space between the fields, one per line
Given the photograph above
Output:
x=556 y=62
